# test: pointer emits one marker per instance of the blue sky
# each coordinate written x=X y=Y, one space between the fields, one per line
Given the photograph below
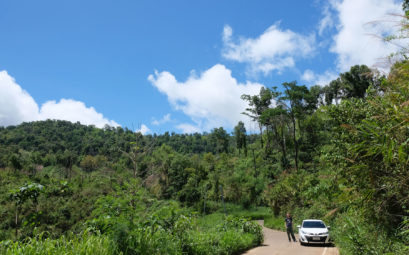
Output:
x=175 y=65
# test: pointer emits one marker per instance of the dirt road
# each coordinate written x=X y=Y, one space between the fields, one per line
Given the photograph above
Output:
x=276 y=243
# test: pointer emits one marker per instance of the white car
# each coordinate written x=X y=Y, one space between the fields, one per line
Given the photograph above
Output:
x=313 y=232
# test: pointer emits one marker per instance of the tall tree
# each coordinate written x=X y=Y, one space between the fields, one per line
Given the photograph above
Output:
x=296 y=96
x=15 y=162
x=314 y=98
x=67 y=160
x=356 y=81
x=136 y=151
x=353 y=83
x=332 y=92
x=220 y=139
x=240 y=135
x=21 y=195
x=258 y=104
x=276 y=120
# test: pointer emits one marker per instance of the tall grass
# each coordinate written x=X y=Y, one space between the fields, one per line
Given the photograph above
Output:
x=207 y=235
x=70 y=245
x=218 y=234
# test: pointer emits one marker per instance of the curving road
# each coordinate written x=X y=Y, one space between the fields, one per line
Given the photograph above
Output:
x=276 y=243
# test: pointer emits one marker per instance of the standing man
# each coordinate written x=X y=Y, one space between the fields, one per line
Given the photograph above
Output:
x=289 y=227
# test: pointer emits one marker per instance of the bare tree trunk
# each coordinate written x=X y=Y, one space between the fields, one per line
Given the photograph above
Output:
x=254 y=163
x=16 y=221
x=283 y=147
x=295 y=143
x=134 y=169
x=267 y=141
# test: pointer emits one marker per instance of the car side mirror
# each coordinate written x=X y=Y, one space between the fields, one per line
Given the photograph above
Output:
x=298 y=226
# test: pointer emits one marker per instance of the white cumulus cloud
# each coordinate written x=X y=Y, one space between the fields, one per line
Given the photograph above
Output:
x=165 y=119
x=358 y=30
x=17 y=106
x=275 y=49
x=308 y=75
x=327 y=21
x=211 y=99
x=360 y=26
x=188 y=128
x=71 y=110
x=323 y=79
x=143 y=130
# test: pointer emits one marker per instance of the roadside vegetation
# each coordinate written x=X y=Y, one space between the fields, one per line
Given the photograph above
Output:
x=127 y=220
x=339 y=153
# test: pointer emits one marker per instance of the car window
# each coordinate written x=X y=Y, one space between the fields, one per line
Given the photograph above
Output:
x=313 y=224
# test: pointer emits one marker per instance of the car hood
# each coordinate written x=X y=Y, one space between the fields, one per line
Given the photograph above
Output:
x=314 y=230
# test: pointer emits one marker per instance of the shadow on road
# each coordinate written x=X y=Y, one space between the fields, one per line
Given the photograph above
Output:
x=318 y=245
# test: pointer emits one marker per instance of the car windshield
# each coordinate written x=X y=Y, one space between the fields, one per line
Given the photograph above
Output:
x=313 y=224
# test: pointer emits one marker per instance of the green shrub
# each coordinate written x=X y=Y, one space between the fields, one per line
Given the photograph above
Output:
x=218 y=234
x=356 y=235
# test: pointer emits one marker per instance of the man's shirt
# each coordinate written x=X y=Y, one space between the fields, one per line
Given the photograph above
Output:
x=289 y=222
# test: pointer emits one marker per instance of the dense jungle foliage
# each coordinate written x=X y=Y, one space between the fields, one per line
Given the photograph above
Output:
x=115 y=191
x=338 y=152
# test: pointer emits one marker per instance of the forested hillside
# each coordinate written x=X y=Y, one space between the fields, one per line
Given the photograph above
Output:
x=338 y=152
x=344 y=160
x=60 y=179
